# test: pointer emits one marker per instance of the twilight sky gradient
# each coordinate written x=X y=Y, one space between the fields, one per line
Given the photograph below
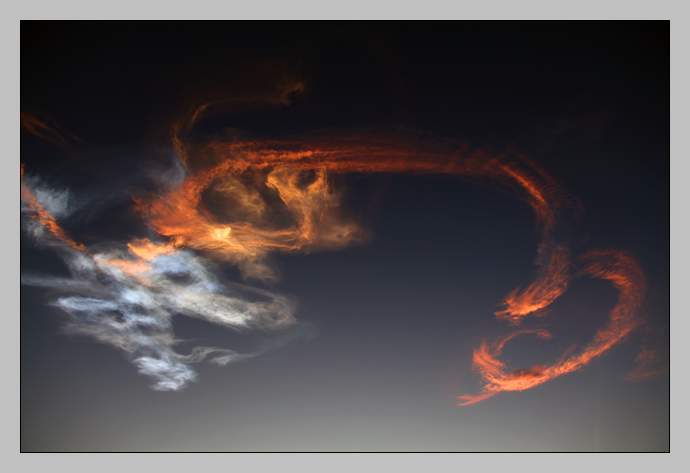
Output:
x=324 y=237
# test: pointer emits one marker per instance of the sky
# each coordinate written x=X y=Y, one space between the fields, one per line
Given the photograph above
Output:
x=345 y=236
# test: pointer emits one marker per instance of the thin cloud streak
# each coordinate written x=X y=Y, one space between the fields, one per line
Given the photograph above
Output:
x=48 y=130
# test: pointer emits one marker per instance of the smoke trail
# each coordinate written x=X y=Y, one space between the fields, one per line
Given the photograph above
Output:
x=625 y=274
x=653 y=358
x=48 y=130
x=127 y=296
x=282 y=200
x=241 y=200
x=650 y=363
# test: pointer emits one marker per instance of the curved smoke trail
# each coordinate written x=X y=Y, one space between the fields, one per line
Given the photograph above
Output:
x=277 y=196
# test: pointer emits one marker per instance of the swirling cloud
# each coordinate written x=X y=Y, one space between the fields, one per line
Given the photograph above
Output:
x=239 y=200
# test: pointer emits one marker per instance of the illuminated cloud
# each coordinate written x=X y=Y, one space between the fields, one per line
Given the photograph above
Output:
x=651 y=362
x=278 y=198
x=625 y=274
x=48 y=130
x=240 y=200
x=126 y=296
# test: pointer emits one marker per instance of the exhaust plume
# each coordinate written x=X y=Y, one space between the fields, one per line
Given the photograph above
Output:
x=127 y=295
x=282 y=200
x=240 y=200
x=625 y=274
x=48 y=130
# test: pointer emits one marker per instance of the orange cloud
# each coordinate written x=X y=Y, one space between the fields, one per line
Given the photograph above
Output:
x=48 y=130
x=43 y=218
x=623 y=271
x=243 y=199
x=277 y=196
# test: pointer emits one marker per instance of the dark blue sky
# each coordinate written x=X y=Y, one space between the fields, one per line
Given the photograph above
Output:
x=391 y=323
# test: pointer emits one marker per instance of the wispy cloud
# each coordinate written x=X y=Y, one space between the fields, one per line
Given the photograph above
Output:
x=127 y=296
x=238 y=200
